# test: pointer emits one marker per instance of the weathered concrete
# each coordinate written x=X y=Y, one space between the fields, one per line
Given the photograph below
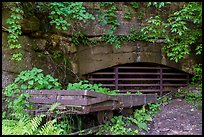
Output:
x=100 y=56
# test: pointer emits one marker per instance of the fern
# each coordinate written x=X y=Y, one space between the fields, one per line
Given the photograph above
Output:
x=33 y=124
x=50 y=129
x=54 y=106
x=26 y=126
x=14 y=127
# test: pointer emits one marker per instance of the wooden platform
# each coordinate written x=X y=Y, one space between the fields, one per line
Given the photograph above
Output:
x=84 y=101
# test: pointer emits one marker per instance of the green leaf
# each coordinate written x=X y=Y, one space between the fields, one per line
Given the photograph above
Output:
x=31 y=82
x=40 y=82
x=54 y=106
x=148 y=118
x=17 y=79
x=142 y=125
x=23 y=87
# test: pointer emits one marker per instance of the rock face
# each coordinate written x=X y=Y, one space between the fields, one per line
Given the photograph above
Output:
x=53 y=52
x=37 y=54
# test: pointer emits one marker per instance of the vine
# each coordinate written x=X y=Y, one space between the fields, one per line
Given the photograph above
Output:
x=80 y=38
x=61 y=12
x=128 y=13
x=180 y=31
x=68 y=10
x=158 y=4
x=176 y=31
x=110 y=18
x=134 y=5
x=15 y=29
x=59 y=15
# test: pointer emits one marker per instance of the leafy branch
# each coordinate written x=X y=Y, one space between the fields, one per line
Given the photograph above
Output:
x=14 y=29
x=177 y=32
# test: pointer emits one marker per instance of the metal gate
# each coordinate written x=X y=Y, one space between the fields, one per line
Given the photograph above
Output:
x=143 y=77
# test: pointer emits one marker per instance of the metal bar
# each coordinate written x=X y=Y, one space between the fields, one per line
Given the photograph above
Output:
x=167 y=90
x=161 y=82
x=109 y=85
x=103 y=73
x=101 y=79
x=174 y=85
x=153 y=90
x=116 y=78
x=137 y=73
x=135 y=67
x=152 y=79
x=174 y=74
x=86 y=131
x=130 y=85
x=176 y=79
x=90 y=77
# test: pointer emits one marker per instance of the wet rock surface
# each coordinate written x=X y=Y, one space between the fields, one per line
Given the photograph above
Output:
x=177 y=118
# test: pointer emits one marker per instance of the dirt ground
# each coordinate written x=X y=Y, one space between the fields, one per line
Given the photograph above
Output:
x=177 y=118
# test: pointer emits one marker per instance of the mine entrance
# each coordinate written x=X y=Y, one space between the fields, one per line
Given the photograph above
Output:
x=143 y=77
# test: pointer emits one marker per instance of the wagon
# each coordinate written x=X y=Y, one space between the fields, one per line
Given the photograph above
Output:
x=86 y=102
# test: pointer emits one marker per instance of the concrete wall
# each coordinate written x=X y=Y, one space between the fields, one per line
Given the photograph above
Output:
x=102 y=56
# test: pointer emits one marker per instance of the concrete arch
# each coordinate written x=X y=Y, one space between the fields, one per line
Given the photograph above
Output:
x=102 y=56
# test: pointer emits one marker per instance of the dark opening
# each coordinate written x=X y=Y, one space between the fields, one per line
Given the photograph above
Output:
x=143 y=77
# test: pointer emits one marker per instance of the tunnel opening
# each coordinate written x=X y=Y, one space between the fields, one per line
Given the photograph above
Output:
x=142 y=77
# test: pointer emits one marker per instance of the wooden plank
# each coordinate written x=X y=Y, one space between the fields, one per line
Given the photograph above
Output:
x=130 y=100
x=41 y=91
x=71 y=92
x=42 y=100
x=151 y=98
x=94 y=94
x=80 y=93
x=96 y=100
x=81 y=102
x=106 y=105
x=100 y=108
